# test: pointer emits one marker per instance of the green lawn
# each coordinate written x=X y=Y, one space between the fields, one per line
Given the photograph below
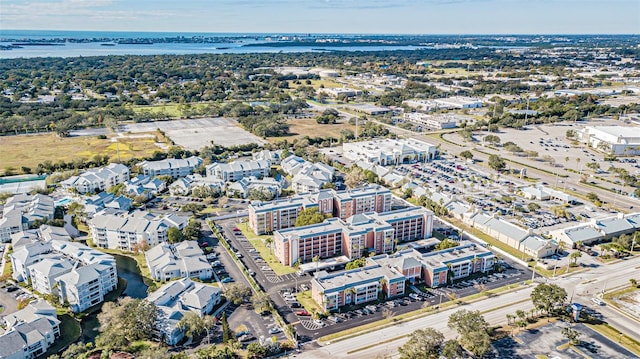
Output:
x=171 y=109
x=310 y=305
x=258 y=242
x=69 y=333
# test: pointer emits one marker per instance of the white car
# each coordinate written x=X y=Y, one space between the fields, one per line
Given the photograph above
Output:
x=597 y=301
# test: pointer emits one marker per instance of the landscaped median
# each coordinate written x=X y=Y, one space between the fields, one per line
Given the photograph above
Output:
x=259 y=243
x=401 y=318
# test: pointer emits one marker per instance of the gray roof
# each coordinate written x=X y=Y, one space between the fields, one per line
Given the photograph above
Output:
x=614 y=226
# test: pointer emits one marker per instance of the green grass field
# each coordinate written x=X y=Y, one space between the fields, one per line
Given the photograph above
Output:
x=30 y=150
x=308 y=127
x=171 y=109
x=258 y=242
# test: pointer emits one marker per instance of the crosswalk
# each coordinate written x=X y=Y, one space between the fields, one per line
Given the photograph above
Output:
x=274 y=278
x=310 y=325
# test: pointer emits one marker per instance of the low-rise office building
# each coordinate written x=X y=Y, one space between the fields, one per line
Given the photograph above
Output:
x=98 y=179
x=177 y=298
x=598 y=230
x=174 y=167
x=172 y=261
x=267 y=217
x=386 y=152
x=429 y=121
x=523 y=240
x=368 y=232
x=29 y=332
x=617 y=140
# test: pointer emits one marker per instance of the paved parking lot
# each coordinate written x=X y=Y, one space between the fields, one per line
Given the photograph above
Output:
x=546 y=340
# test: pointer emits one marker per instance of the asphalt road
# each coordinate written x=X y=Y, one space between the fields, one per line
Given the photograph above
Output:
x=580 y=287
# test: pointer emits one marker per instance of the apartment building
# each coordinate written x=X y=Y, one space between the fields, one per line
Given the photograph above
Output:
x=124 y=231
x=29 y=332
x=307 y=176
x=77 y=274
x=21 y=211
x=174 y=167
x=367 y=232
x=356 y=286
x=386 y=152
x=98 y=179
x=237 y=170
x=267 y=217
x=183 y=260
x=384 y=275
x=176 y=298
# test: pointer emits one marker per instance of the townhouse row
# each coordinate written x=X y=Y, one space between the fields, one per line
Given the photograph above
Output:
x=386 y=275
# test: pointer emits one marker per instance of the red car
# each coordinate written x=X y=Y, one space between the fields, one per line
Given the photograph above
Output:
x=236 y=229
x=302 y=313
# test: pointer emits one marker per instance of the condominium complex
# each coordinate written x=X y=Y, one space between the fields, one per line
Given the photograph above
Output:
x=372 y=232
x=237 y=170
x=267 y=217
x=174 y=167
x=387 y=152
x=21 y=211
x=98 y=179
x=125 y=231
x=307 y=176
x=183 y=260
x=385 y=274
x=29 y=332
x=175 y=299
x=75 y=273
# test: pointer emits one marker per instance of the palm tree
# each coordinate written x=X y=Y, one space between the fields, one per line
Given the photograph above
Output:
x=577 y=163
x=574 y=256
x=269 y=242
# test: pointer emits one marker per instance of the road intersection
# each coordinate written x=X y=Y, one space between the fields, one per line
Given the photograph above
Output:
x=580 y=287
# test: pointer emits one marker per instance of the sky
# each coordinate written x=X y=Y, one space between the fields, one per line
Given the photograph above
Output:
x=328 y=16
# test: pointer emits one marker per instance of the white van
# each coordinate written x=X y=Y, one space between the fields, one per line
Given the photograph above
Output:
x=597 y=301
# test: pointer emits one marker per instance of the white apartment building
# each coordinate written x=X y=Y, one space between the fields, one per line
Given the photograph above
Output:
x=125 y=231
x=183 y=260
x=21 y=211
x=79 y=275
x=98 y=179
x=176 y=298
x=237 y=170
x=174 y=167
x=29 y=332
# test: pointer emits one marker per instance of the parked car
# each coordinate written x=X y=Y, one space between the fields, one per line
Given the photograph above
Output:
x=302 y=313
x=227 y=280
x=274 y=330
